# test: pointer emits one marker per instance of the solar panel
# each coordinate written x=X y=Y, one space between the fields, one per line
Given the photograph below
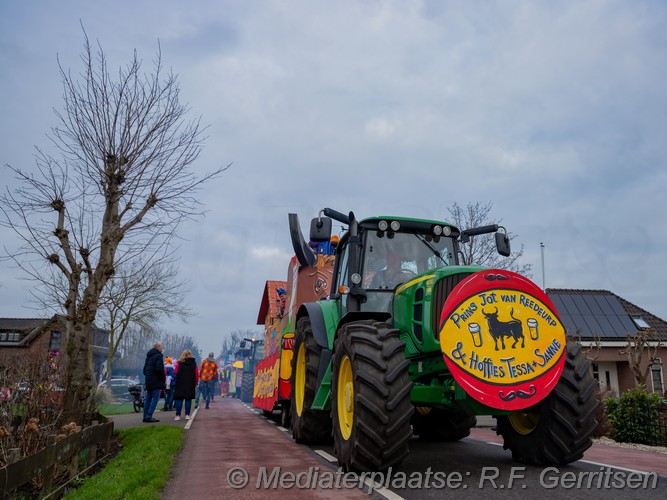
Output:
x=580 y=302
x=601 y=300
x=592 y=303
x=617 y=328
x=569 y=305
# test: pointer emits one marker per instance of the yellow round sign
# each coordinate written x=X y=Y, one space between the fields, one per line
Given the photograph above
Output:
x=504 y=345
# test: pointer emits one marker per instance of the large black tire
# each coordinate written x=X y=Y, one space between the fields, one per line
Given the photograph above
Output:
x=308 y=426
x=370 y=397
x=557 y=430
x=247 y=387
x=434 y=424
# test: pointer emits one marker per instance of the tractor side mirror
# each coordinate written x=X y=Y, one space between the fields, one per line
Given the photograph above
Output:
x=320 y=229
x=503 y=244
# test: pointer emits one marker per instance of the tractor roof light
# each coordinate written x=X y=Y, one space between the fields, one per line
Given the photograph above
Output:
x=437 y=230
x=447 y=231
x=395 y=225
x=355 y=278
x=382 y=225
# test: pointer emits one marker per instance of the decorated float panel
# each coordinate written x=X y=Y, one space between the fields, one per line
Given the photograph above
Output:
x=280 y=303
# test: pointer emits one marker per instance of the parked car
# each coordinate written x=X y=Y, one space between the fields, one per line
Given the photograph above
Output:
x=119 y=388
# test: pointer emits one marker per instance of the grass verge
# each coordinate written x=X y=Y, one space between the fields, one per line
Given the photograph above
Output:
x=115 y=409
x=140 y=470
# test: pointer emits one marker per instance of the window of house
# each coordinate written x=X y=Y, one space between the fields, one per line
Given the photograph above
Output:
x=54 y=342
x=3 y=337
x=639 y=322
x=596 y=372
x=656 y=377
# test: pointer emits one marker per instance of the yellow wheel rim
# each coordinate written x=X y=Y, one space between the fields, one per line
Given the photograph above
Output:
x=300 y=379
x=345 y=398
x=523 y=422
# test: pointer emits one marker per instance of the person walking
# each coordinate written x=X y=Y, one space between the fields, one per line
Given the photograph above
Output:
x=155 y=381
x=170 y=382
x=187 y=376
x=208 y=374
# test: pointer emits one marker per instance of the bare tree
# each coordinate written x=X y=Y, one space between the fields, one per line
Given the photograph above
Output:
x=232 y=341
x=174 y=345
x=121 y=184
x=482 y=249
x=637 y=349
x=140 y=293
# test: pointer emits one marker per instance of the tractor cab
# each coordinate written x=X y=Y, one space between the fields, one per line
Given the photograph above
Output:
x=379 y=255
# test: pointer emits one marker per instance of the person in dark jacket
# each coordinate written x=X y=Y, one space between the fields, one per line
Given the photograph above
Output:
x=187 y=377
x=155 y=380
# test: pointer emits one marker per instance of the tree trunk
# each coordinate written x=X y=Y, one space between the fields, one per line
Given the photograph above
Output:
x=79 y=403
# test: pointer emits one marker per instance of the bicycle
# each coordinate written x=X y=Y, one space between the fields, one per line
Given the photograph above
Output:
x=138 y=393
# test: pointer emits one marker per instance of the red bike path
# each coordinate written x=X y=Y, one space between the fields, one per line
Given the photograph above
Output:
x=229 y=436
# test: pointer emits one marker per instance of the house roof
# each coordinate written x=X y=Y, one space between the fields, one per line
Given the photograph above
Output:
x=20 y=324
x=601 y=314
x=270 y=300
x=29 y=328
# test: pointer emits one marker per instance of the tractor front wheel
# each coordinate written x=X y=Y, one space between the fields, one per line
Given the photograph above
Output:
x=308 y=426
x=557 y=430
x=370 y=399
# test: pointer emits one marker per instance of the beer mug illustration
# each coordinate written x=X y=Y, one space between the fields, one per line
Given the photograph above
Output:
x=532 y=326
x=476 y=334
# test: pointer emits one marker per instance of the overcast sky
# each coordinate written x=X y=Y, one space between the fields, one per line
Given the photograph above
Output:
x=556 y=112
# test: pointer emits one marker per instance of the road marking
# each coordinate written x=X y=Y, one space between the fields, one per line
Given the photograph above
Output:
x=192 y=417
x=600 y=464
x=280 y=427
x=326 y=456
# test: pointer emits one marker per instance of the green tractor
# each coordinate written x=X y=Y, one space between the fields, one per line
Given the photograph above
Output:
x=410 y=342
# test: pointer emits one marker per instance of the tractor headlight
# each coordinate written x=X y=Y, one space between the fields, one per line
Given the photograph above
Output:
x=447 y=230
x=395 y=225
x=382 y=225
x=355 y=278
x=437 y=230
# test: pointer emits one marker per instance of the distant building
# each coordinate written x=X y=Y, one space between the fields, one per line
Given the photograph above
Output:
x=27 y=336
x=602 y=320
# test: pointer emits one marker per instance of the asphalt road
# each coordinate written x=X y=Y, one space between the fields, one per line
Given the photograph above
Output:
x=475 y=469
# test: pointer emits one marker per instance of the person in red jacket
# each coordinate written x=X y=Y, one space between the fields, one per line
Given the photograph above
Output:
x=208 y=374
x=187 y=376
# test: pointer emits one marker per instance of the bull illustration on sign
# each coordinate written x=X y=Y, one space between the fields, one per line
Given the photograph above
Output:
x=501 y=329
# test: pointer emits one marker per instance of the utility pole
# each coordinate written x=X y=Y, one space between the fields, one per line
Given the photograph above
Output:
x=542 y=252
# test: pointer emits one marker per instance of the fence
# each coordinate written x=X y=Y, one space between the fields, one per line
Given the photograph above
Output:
x=659 y=434
x=43 y=463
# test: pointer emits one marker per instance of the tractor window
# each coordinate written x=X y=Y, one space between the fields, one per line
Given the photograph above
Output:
x=393 y=259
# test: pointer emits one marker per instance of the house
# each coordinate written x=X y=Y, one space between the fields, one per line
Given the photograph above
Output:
x=27 y=336
x=601 y=321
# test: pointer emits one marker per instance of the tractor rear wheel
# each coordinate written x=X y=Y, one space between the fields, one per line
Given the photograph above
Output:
x=434 y=424
x=558 y=429
x=308 y=426
x=370 y=397
x=247 y=387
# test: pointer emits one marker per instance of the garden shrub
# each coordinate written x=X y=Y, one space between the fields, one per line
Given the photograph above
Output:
x=634 y=416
